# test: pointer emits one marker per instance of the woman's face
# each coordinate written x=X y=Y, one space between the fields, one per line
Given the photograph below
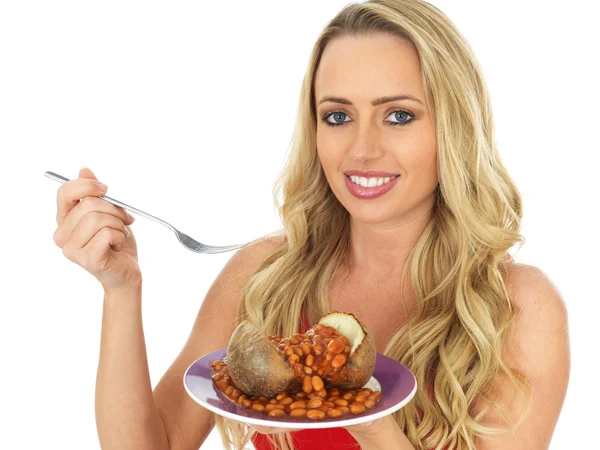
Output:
x=396 y=137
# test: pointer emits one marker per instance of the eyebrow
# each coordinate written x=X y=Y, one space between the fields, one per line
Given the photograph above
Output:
x=377 y=101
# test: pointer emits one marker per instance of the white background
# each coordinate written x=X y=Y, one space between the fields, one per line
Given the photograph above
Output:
x=186 y=109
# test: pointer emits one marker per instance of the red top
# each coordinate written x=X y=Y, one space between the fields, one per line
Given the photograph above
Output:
x=325 y=438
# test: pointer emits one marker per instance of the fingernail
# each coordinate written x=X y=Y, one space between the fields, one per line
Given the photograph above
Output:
x=83 y=167
x=131 y=217
x=103 y=186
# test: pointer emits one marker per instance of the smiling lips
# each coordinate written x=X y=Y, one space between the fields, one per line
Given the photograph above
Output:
x=366 y=192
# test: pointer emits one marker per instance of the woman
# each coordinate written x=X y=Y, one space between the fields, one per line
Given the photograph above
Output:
x=391 y=87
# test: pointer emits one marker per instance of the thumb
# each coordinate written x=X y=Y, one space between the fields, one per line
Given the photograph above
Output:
x=86 y=172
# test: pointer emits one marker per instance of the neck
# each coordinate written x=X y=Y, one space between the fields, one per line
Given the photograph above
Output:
x=381 y=250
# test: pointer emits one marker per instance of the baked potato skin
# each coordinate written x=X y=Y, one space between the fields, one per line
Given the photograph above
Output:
x=361 y=365
x=255 y=365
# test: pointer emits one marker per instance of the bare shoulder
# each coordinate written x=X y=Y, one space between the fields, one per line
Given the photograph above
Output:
x=248 y=259
x=534 y=294
x=539 y=350
x=541 y=312
x=260 y=249
x=226 y=291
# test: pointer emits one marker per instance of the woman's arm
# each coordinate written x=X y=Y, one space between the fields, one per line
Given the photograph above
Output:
x=541 y=352
x=128 y=413
x=126 y=416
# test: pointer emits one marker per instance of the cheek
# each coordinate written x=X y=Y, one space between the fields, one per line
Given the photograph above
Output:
x=326 y=149
x=423 y=159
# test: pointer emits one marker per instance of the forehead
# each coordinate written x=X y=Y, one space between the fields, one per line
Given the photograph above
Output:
x=368 y=66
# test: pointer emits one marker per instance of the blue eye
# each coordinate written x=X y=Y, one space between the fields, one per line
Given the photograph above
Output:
x=398 y=114
x=336 y=116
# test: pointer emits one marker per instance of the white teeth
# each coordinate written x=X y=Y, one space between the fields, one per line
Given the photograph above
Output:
x=369 y=182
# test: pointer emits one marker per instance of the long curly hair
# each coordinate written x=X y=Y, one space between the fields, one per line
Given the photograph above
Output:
x=453 y=341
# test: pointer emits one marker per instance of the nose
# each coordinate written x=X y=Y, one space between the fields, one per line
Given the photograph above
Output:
x=367 y=145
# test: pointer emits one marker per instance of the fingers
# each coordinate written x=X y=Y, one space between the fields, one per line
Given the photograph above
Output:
x=87 y=206
x=96 y=249
x=91 y=224
x=86 y=172
x=91 y=236
x=95 y=255
x=70 y=192
x=371 y=427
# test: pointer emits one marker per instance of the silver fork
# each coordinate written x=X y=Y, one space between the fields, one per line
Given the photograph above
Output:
x=188 y=242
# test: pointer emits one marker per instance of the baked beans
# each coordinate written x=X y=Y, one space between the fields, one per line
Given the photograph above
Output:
x=319 y=359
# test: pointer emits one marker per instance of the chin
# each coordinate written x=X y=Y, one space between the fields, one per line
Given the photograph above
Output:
x=371 y=216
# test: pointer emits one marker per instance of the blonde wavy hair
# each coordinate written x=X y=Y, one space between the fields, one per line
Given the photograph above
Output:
x=463 y=316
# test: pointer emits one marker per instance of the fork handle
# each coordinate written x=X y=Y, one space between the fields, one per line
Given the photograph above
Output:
x=61 y=179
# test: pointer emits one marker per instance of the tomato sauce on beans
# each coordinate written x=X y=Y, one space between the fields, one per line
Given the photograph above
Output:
x=318 y=358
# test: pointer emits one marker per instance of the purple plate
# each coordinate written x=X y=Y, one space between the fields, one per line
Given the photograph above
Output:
x=395 y=381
